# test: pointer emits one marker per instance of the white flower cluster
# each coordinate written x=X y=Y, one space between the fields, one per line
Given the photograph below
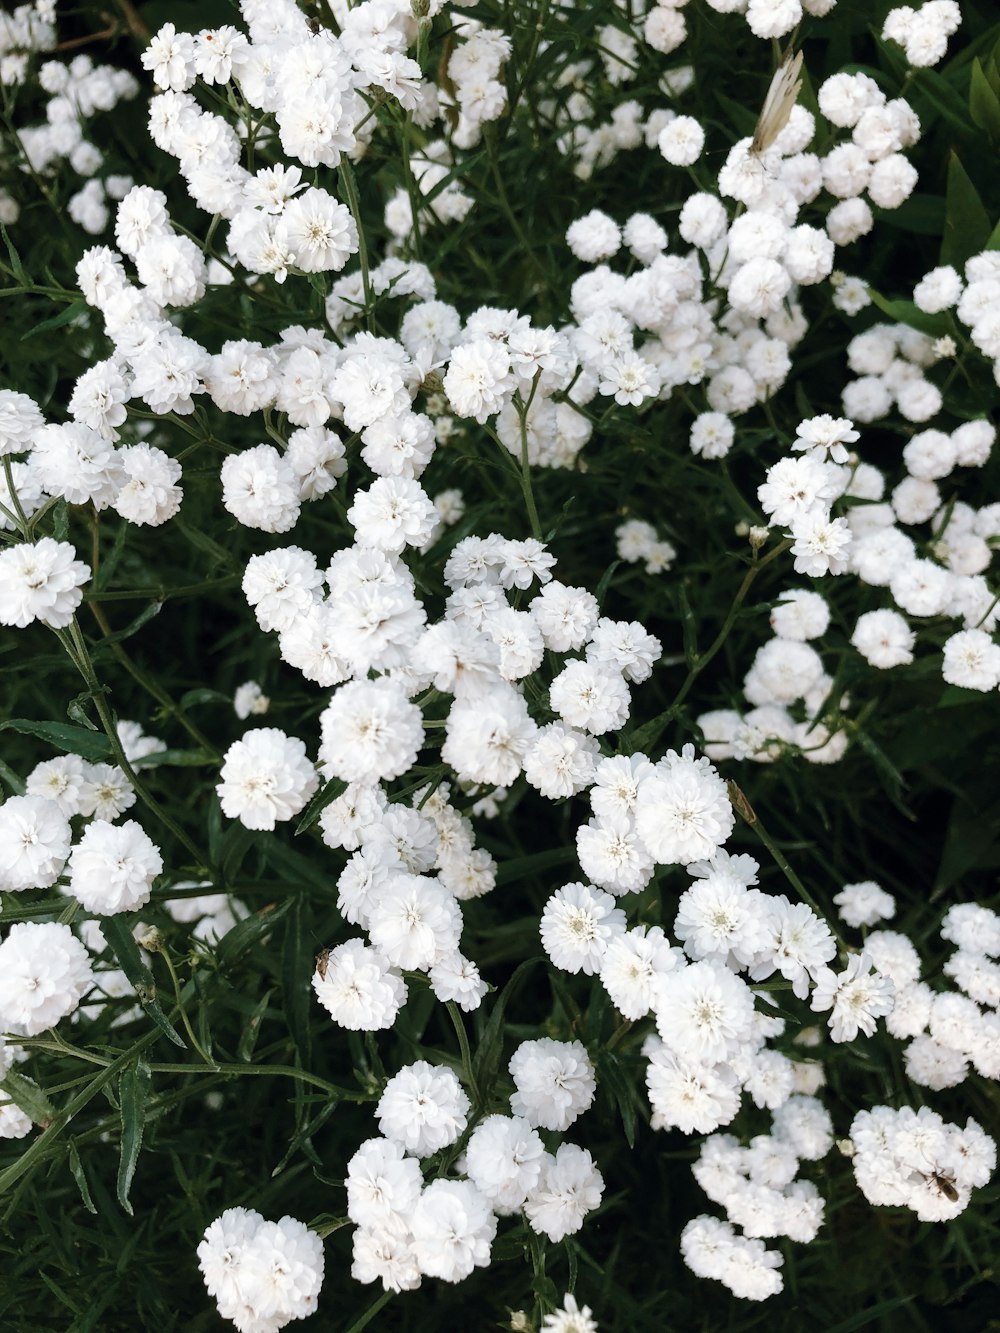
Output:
x=757 y=1187
x=947 y=1030
x=710 y=1044
x=107 y=867
x=786 y=673
x=410 y=868
x=923 y=33
x=407 y=1230
x=262 y=1274
x=916 y=1160
x=14 y=1124
x=637 y=541
x=77 y=91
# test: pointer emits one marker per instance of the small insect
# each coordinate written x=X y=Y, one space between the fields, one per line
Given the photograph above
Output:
x=945 y=1185
x=781 y=95
x=321 y=961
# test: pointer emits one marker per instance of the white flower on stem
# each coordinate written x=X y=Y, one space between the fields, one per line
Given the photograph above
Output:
x=857 y=997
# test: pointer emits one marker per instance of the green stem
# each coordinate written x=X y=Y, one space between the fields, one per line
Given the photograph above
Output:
x=19 y=516
x=350 y=188
x=704 y=658
x=750 y=817
x=76 y=649
x=489 y=138
x=463 y=1043
x=181 y=1009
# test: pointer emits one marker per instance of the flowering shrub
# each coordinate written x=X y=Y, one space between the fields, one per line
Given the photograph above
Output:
x=526 y=801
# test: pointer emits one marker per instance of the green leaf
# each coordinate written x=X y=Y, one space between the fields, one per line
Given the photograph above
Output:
x=297 y=963
x=251 y=1032
x=620 y=1086
x=76 y=1168
x=132 y=1090
x=967 y=225
x=15 y=258
x=326 y=795
x=143 y=618
x=118 y=933
x=984 y=105
x=689 y=627
x=26 y=1094
x=905 y=312
x=202 y=696
x=490 y=1045
x=65 y=316
x=869 y=1316
x=72 y=740
x=247 y=932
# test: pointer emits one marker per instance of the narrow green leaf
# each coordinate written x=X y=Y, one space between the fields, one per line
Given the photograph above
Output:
x=143 y=618
x=26 y=1094
x=326 y=795
x=132 y=1091
x=490 y=1045
x=247 y=932
x=984 y=105
x=621 y=1090
x=297 y=965
x=869 y=1316
x=905 y=312
x=76 y=1168
x=15 y=258
x=202 y=696
x=251 y=1032
x=72 y=740
x=65 y=316
x=13 y=781
x=118 y=934
x=689 y=627
x=522 y=867
x=967 y=225
x=76 y=713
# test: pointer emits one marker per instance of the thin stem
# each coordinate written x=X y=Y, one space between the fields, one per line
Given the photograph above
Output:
x=15 y=499
x=704 y=658
x=463 y=1042
x=350 y=188
x=489 y=137
x=73 y=642
x=750 y=817
x=181 y=1010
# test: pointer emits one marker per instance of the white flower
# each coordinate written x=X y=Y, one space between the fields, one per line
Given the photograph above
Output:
x=503 y=1159
x=358 y=987
x=266 y=777
x=265 y=1272
x=972 y=660
x=40 y=581
x=683 y=813
x=112 y=867
x=414 y=922
x=382 y=1183
x=453 y=1228
x=34 y=842
x=571 y=1187
x=371 y=732
x=555 y=1082
x=423 y=1108
x=577 y=925
x=703 y=1012
x=44 y=973
x=857 y=997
